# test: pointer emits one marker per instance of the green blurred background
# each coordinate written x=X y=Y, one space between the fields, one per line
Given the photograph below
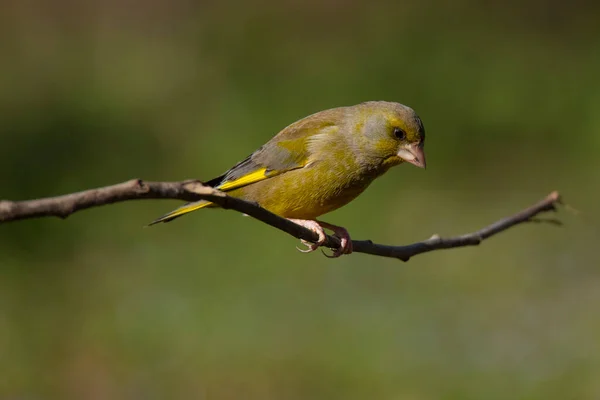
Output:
x=215 y=305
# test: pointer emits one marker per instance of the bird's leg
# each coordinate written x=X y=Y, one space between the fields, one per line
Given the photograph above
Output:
x=343 y=235
x=315 y=227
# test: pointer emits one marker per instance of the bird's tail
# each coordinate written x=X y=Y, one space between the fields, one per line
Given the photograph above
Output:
x=186 y=208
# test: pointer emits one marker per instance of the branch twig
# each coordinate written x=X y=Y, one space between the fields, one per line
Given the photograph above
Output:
x=193 y=190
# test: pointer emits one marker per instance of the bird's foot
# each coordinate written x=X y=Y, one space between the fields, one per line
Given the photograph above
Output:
x=316 y=228
x=343 y=235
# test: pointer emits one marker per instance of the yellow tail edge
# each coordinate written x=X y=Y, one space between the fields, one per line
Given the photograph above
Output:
x=187 y=208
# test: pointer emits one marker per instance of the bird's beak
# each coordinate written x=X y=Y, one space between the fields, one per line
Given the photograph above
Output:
x=413 y=153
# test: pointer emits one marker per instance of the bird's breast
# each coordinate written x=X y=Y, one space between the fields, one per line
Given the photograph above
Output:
x=307 y=193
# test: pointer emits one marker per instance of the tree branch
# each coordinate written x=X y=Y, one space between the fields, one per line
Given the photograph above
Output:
x=193 y=190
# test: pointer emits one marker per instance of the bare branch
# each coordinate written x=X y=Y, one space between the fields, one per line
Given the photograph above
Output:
x=63 y=206
x=193 y=190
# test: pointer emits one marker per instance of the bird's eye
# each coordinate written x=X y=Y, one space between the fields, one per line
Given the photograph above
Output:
x=399 y=133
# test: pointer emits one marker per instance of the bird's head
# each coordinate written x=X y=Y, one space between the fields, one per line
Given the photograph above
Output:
x=392 y=133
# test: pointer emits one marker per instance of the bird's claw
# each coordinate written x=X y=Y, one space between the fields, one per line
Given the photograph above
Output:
x=310 y=247
x=317 y=227
x=345 y=240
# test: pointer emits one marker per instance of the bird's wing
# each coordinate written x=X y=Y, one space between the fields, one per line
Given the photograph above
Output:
x=288 y=150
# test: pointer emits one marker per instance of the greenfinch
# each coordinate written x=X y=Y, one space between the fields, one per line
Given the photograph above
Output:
x=321 y=163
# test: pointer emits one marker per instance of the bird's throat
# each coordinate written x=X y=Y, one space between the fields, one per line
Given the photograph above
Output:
x=391 y=162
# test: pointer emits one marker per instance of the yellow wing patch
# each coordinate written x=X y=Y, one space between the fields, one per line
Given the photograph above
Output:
x=247 y=179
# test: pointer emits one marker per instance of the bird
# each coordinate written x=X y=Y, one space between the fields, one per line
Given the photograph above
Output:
x=321 y=163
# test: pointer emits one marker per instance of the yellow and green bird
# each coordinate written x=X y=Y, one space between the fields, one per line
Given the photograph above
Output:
x=321 y=163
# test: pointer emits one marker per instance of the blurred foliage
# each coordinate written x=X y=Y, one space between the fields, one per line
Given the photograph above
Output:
x=219 y=306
